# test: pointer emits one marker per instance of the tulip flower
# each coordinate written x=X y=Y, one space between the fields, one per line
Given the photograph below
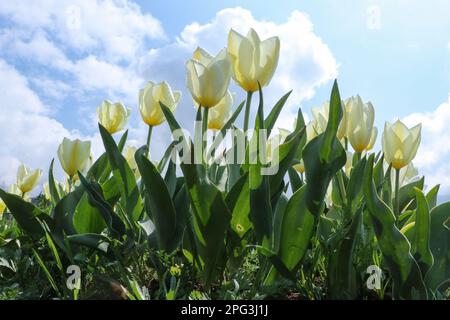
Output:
x=113 y=116
x=373 y=139
x=149 y=98
x=14 y=189
x=2 y=206
x=360 y=118
x=208 y=77
x=27 y=179
x=400 y=146
x=74 y=155
x=46 y=191
x=320 y=121
x=300 y=167
x=129 y=153
x=253 y=60
x=218 y=115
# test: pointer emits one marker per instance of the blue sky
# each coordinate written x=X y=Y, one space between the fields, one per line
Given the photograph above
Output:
x=58 y=60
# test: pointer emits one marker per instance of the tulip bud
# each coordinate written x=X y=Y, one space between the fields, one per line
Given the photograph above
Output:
x=74 y=155
x=113 y=116
x=252 y=60
x=149 y=98
x=129 y=154
x=218 y=115
x=400 y=144
x=208 y=77
x=300 y=167
x=46 y=191
x=27 y=179
x=360 y=118
x=14 y=189
x=320 y=121
x=349 y=163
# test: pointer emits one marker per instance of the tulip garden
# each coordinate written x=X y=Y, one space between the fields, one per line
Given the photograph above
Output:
x=335 y=220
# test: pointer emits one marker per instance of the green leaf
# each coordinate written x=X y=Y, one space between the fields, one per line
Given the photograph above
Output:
x=440 y=246
x=408 y=281
x=238 y=200
x=407 y=194
x=130 y=199
x=53 y=189
x=341 y=275
x=294 y=179
x=324 y=156
x=420 y=246
x=26 y=214
x=211 y=215
x=159 y=201
x=93 y=241
x=87 y=218
x=96 y=199
x=432 y=196
x=260 y=206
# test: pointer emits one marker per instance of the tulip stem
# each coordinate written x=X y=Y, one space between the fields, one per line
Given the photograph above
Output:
x=397 y=200
x=204 y=129
x=149 y=137
x=247 y=111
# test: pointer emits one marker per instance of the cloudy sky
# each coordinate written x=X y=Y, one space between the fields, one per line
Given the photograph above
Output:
x=60 y=58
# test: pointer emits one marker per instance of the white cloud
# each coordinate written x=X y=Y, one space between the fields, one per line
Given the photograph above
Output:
x=27 y=133
x=434 y=152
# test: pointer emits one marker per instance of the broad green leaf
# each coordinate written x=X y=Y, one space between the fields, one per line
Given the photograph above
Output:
x=26 y=214
x=432 y=196
x=407 y=196
x=342 y=277
x=420 y=246
x=86 y=218
x=408 y=281
x=53 y=189
x=130 y=200
x=238 y=200
x=211 y=215
x=160 y=202
x=96 y=199
x=440 y=246
x=260 y=206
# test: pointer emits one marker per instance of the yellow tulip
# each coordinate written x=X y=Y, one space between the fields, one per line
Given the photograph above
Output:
x=373 y=139
x=218 y=115
x=400 y=144
x=320 y=121
x=360 y=118
x=113 y=116
x=14 y=189
x=349 y=163
x=300 y=167
x=253 y=60
x=2 y=206
x=74 y=155
x=27 y=179
x=208 y=77
x=46 y=191
x=407 y=174
x=149 y=98
x=129 y=153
